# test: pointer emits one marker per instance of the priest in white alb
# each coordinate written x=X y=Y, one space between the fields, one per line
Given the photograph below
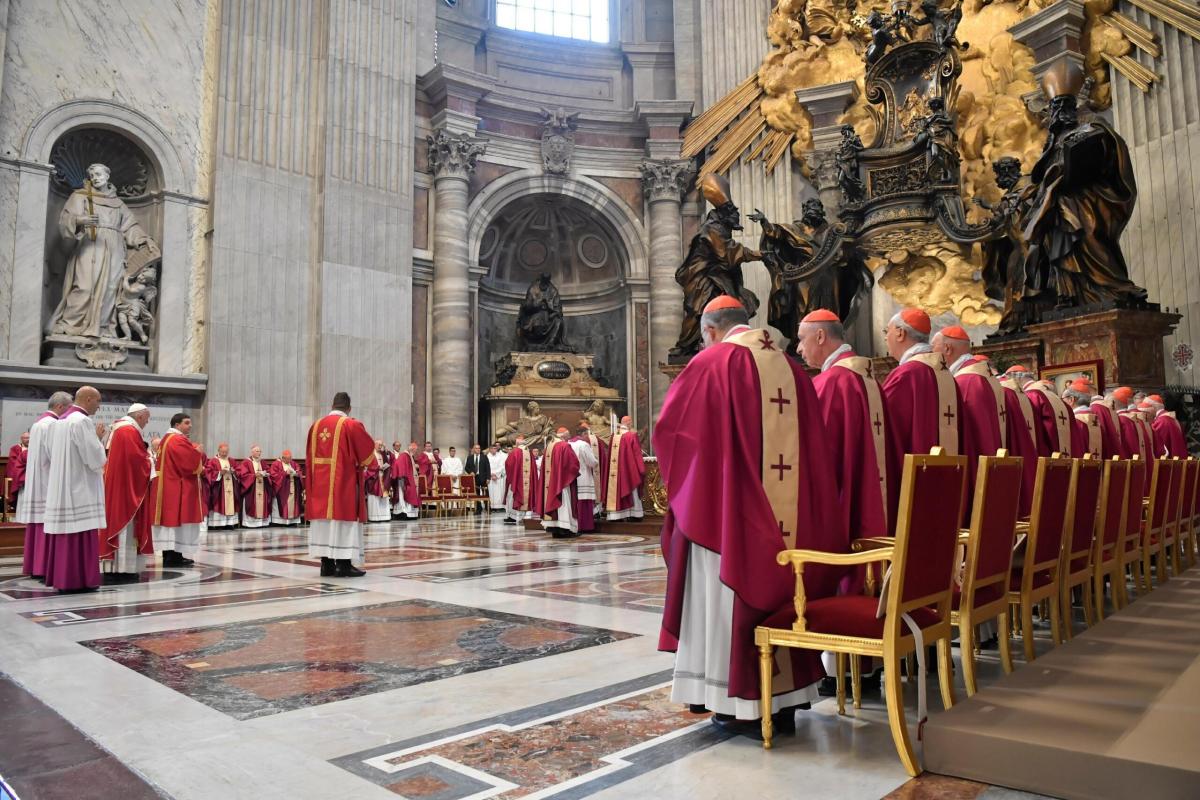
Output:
x=31 y=503
x=452 y=465
x=496 y=477
x=585 y=484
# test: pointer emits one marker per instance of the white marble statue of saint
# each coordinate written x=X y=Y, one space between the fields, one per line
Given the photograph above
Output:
x=103 y=229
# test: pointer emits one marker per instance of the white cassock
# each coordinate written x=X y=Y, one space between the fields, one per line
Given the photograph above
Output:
x=585 y=484
x=379 y=509
x=453 y=466
x=31 y=502
x=496 y=485
x=706 y=640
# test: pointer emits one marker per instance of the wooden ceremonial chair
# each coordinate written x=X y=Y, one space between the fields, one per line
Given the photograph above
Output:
x=1110 y=530
x=988 y=562
x=1131 y=548
x=469 y=491
x=918 y=588
x=448 y=496
x=1036 y=577
x=1188 y=517
x=427 y=494
x=1077 y=549
x=1161 y=517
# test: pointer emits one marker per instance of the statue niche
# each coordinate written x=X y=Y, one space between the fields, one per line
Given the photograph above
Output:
x=102 y=254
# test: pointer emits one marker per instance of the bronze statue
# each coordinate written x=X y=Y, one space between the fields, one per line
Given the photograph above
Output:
x=937 y=135
x=881 y=37
x=853 y=189
x=1004 y=251
x=807 y=275
x=943 y=23
x=1084 y=193
x=712 y=266
x=540 y=325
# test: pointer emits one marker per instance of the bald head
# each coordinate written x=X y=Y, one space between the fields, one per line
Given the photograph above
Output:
x=88 y=398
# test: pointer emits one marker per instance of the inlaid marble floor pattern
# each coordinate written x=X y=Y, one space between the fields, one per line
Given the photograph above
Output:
x=473 y=661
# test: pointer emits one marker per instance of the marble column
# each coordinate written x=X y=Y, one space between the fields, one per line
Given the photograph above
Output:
x=664 y=182
x=452 y=157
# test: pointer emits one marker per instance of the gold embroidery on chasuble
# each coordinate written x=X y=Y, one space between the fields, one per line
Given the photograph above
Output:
x=547 y=464
x=331 y=459
x=980 y=368
x=1093 y=431
x=526 y=479
x=780 y=442
x=614 y=468
x=1062 y=420
x=227 y=484
x=1026 y=406
x=947 y=401
x=861 y=366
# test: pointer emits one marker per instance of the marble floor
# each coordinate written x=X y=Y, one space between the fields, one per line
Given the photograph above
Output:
x=473 y=661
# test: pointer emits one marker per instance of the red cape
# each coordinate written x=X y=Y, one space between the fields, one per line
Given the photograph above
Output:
x=377 y=477
x=425 y=464
x=1139 y=440
x=338 y=447
x=514 y=477
x=1044 y=414
x=177 y=489
x=1021 y=443
x=404 y=479
x=1168 y=437
x=709 y=445
x=126 y=487
x=564 y=469
x=216 y=490
x=1110 y=432
x=246 y=479
x=981 y=426
x=284 y=486
x=631 y=470
x=15 y=470
x=1079 y=437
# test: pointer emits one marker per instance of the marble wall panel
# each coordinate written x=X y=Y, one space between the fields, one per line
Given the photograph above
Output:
x=629 y=190
x=420 y=361
x=420 y=218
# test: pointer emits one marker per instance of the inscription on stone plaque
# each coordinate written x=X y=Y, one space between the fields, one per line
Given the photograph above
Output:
x=554 y=370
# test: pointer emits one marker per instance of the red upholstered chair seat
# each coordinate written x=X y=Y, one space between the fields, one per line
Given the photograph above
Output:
x=1040 y=579
x=983 y=595
x=847 y=615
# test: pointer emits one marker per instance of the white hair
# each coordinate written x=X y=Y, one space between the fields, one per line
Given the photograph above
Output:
x=59 y=399
x=909 y=330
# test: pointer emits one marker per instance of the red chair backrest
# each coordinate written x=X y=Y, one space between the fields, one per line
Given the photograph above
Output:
x=1160 y=491
x=1048 y=521
x=467 y=484
x=445 y=484
x=422 y=485
x=1137 y=493
x=1088 y=474
x=1112 y=502
x=994 y=518
x=931 y=492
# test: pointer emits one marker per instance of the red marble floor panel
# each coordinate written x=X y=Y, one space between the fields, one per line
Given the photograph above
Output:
x=392 y=557
x=939 y=787
x=643 y=590
x=262 y=667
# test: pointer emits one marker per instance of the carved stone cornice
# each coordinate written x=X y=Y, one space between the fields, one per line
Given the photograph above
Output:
x=667 y=179
x=453 y=155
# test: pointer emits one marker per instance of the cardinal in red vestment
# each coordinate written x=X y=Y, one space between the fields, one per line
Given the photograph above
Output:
x=1086 y=436
x=14 y=470
x=1022 y=431
x=377 y=483
x=406 y=497
x=626 y=470
x=125 y=539
x=1139 y=436
x=743 y=454
x=1169 y=440
x=220 y=476
x=560 y=469
x=855 y=426
x=428 y=465
x=520 y=473
x=177 y=492
x=1055 y=422
x=255 y=483
x=922 y=399
x=287 y=487
x=1107 y=413
x=334 y=502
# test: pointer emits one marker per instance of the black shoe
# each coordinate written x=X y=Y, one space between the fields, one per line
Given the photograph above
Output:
x=170 y=558
x=697 y=708
x=347 y=570
x=328 y=568
x=828 y=687
x=110 y=578
x=509 y=521
x=750 y=728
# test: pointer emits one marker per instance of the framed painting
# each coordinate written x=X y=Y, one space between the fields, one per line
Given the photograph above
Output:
x=1061 y=375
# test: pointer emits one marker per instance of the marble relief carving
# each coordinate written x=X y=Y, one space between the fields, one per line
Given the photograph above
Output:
x=667 y=179
x=453 y=154
x=558 y=140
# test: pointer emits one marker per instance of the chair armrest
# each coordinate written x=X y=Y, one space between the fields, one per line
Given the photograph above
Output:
x=872 y=543
x=799 y=557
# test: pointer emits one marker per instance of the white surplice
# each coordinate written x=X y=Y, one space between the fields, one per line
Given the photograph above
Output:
x=497 y=475
x=75 y=489
x=31 y=502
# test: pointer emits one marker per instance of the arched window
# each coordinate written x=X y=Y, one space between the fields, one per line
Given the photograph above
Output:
x=571 y=19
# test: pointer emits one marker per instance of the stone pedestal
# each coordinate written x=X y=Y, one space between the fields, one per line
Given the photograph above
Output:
x=1004 y=352
x=1129 y=342
x=103 y=353
x=561 y=384
x=671 y=370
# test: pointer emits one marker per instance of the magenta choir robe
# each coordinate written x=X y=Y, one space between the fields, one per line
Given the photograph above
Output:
x=984 y=413
x=1019 y=422
x=403 y=474
x=709 y=443
x=918 y=420
x=1168 y=436
x=1110 y=430
x=1054 y=421
x=1139 y=440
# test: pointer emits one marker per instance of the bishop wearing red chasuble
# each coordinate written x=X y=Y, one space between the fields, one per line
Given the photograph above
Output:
x=1135 y=426
x=560 y=469
x=178 y=494
x=855 y=427
x=924 y=407
x=741 y=446
x=1022 y=431
x=521 y=474
x=428 y=465
x=1168 y=433
x=626 y=471
x=1054 y=420
x=406 y=497
x=983 y=408
x=1086 y=436
x=334 y=502
x=220 y=477
x=377 y=483
x=255 y=484
x=1106 y=412
x=287 y=487
x=125 y=540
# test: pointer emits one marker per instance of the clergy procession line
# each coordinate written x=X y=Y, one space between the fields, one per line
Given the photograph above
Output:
x=768 y=472
x=90 y=495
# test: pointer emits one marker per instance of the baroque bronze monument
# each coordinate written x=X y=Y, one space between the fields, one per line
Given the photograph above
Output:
x=540 y=324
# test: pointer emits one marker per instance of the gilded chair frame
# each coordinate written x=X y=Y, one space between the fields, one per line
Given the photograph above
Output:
x=1027 y=595
x=1157 y=536
x=1106 y=549
x=968 y=616
x=1130 y=551
x=896 y=641
x=1186 y=534
x=1086 y=468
